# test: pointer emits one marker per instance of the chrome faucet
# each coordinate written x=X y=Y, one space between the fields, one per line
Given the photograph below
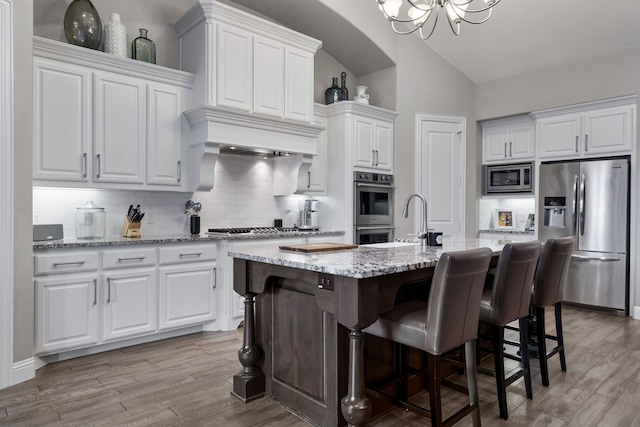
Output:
x=424 y=233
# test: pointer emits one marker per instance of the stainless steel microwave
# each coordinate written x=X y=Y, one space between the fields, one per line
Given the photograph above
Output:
x=512 y=178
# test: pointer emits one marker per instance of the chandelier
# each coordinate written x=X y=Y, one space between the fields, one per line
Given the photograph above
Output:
x=416 y=13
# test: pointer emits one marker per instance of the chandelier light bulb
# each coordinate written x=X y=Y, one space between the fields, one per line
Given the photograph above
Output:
x=391 y=8
x=419 y=14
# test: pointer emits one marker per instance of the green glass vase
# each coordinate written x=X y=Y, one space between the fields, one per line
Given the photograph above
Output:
x=143 y=49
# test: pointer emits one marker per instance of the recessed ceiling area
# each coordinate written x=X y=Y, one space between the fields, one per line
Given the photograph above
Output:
x=520 y=36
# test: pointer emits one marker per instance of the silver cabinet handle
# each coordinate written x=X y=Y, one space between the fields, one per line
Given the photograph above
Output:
x=373 y=157
x=582 y=258
x=575 y=199
x=84 y=165
x=215 y=277
x=138 y=258
x=191 y=255
x=576 y=143
x=95 y=291
x=309 y=179
x=505 y=150
x=108 y=290
x=510 y=151
x=59 y=264
x=583 y=193
x=586 y=141
x=98 y=166
x=179 y=171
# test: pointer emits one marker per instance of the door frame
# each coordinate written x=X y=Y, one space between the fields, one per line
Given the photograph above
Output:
x=6 y=193
x=462 y=123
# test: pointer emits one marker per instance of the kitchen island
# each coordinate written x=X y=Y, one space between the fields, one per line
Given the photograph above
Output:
x=294 y=348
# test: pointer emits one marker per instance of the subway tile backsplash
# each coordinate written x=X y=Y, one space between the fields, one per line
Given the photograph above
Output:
x=242 y=196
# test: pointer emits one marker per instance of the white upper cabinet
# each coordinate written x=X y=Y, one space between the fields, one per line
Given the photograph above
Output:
x=119 y=128
x=247 y=63
x=317 y=174
x=104 y=121
x=508 y=140
x=372 y=140
x=589 y=130
x=234 y=67
x=62 y=121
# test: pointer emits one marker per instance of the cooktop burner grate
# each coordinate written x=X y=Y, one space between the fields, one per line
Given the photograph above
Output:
x=252 y=230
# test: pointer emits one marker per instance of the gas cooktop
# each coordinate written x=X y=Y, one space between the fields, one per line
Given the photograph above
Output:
x=250 y=230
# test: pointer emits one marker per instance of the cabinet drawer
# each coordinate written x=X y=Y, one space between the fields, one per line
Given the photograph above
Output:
x=67 y=262
x=188 y=253
x=120 y=258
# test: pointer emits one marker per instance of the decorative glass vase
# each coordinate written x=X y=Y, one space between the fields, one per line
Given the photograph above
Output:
x=82 y=24
x=361 y=96
x=143 y=49
x=343 y=89
x=333 y=94
x=115 y=36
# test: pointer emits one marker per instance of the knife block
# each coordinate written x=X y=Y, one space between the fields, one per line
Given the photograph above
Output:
x=130 y=229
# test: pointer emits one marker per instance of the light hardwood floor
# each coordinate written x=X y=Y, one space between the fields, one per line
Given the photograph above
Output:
x=187 y=381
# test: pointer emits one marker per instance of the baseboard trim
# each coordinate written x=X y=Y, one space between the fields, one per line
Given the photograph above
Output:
x=23 y=370
x=636 y=312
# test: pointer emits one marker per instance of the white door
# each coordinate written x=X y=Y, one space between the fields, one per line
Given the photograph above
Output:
x=440 y=160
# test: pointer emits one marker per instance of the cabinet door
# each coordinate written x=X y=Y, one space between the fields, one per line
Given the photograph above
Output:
x=363 y=142
x=317 y=175
x=559 y=137
x=66 y=312
x=129 y=303
x=608 y=130
x=521 y=142
x=495 y=144
x=62 y=121
x=119 y=137
x=186 y=295
x=383 y=146
x=298 y=80
x=234 y=67
x=268 y=77
x=164 y=134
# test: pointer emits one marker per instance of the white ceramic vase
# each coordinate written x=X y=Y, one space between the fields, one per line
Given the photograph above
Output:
x=115 y=36
x=361 y=96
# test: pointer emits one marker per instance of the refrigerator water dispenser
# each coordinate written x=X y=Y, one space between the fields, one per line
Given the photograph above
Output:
x=554 y=211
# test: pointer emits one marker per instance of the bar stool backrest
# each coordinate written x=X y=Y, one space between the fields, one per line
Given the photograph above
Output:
x=551 y=272
x=454 y=300
x=511 y=292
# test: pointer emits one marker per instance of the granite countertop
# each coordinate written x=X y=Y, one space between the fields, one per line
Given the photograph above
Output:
x=508 y=231
x=173 y=238
x=366 y=260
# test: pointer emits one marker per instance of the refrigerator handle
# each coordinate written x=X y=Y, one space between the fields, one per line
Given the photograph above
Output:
x=575 y=199
x=582 y=197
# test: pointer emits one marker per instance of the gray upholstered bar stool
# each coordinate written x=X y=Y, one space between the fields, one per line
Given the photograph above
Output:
x=548 y=290
x=448 y=320
x=508 y=300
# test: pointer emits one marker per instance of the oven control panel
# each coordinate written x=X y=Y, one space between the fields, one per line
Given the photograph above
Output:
x=377 y=178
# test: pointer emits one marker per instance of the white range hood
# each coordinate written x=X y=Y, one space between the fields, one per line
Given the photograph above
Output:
x=253 y=89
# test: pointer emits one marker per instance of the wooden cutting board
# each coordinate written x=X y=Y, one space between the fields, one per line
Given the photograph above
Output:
x=318 y=247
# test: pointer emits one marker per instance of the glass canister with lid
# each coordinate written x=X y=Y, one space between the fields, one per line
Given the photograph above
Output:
x=90 y=221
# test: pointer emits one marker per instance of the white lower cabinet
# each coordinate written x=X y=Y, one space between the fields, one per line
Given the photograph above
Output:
x=87 y=297
x=129 y=303
x=66 y=312
x=187 y=295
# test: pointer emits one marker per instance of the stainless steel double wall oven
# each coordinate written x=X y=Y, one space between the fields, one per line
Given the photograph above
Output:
x=373 y=208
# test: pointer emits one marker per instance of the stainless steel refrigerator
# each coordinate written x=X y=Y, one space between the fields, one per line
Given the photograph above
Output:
x=590 y=200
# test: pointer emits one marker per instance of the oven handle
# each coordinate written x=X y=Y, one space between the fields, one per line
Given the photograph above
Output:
x=358 y=228
x=364 y=184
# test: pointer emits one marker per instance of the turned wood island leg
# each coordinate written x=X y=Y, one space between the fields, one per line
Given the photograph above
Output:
x=249 y=383
x=356 y=407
